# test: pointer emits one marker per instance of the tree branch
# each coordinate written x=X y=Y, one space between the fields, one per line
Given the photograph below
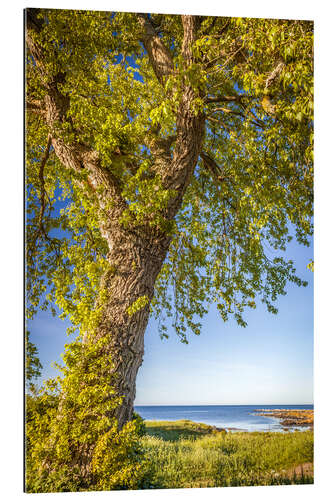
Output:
x=215 y=171
x=227 y=98
x=41 y=228
x=189 y=127
x=35 y=106
x=41 y=231
x=159 y=55
x=74 y=155
x=228 y=111
x=274 y=74
x=190 y=26
x=237 y=113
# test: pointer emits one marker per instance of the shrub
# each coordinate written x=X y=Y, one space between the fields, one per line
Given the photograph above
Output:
x=139 y=424
x=73 y=440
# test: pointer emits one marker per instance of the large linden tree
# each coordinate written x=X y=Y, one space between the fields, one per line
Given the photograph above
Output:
x=168 y=159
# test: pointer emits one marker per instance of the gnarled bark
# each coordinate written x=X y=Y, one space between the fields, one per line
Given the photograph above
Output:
x=136 y=262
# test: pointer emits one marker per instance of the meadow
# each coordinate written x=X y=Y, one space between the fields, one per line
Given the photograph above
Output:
x=183 y=454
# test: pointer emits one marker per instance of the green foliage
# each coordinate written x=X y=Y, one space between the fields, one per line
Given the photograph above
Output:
x=310 y=266
x=33 y=365
x=230 y=236
x=73 y=442
x=137 y=305
x=139 y=424
x=223 y=459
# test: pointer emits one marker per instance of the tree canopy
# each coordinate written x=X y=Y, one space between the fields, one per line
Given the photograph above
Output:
x=252 y=80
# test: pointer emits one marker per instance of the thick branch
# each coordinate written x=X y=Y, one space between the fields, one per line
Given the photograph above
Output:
x=73 y=155
x=159 y=55
x=190 y=26
x=42 y=185
x=227 y=98
x=274 y=74
x=189 y=127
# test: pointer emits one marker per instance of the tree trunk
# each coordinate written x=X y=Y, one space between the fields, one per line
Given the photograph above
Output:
x=134 y=266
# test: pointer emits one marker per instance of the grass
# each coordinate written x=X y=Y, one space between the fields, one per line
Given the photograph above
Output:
x=180 y=429
x=184 y=454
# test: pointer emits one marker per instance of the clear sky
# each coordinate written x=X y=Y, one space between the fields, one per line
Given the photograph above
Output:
x=268 y=362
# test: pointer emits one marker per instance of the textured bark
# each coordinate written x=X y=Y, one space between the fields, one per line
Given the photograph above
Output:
x=135 y=254
x=190 y=128
x=136 y=262
x=159 y=55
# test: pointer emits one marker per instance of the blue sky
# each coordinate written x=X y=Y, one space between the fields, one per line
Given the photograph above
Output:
x=268 y=362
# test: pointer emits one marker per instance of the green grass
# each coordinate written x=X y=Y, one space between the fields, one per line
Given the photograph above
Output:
x=184 y=454
x=180 y=429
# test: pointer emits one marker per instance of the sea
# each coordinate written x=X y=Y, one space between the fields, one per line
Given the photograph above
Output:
x=230 y=417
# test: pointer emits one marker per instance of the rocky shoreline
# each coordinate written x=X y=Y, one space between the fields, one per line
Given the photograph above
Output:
x=289 y=418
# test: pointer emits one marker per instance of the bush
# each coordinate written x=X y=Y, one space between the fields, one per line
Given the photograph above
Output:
x=140 y=424
x=73 y=441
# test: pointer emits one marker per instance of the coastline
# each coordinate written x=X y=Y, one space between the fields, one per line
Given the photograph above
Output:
x=231 y=418
x=289 y=418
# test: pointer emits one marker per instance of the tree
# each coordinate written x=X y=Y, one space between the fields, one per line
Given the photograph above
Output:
x=181 y=150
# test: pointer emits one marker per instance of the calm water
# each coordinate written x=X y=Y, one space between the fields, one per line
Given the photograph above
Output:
x=226 y=416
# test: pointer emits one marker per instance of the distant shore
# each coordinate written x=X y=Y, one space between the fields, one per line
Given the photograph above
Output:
x=289 y=418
